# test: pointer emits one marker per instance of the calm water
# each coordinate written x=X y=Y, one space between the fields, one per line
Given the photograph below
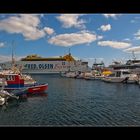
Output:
x=76 y=102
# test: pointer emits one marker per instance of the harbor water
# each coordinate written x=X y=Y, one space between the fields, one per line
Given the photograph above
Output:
x=76 y=102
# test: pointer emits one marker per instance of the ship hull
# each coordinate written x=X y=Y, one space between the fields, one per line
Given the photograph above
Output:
x=37 y=89
x=47 y=67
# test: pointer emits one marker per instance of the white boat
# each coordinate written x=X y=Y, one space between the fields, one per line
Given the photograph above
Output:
x=97 y=77
x=133 y=65
x=81 y=75
x=2 y=101
x=71 y=75
x=4 y=96
x=93 y=75
x=119 y=76
x=88 y=75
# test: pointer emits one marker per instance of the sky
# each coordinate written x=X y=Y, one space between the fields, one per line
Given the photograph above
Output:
x=104 y=37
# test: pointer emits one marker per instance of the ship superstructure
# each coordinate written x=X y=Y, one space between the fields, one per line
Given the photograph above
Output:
x=39 y=65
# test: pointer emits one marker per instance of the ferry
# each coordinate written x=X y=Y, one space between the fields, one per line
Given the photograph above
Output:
x=34 y=64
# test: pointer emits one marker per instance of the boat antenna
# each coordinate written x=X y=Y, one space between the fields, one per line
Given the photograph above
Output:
x=69 y=52
x=95 y=61
x=134 y=57
x=69 y=60
x=13 y=61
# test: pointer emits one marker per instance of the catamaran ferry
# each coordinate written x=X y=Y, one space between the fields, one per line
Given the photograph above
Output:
x=35 y=64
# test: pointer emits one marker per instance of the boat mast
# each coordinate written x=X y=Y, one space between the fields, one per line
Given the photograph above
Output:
x=134 y=57
x=69 y=59
x=13 y=61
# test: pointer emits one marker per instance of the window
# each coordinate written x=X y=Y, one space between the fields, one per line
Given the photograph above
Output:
x=10 y=78
x=63 y=63
x=112 y=75
x=126 y=72
x=118 y=74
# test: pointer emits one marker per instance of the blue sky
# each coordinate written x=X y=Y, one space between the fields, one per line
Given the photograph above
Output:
x=105 y=37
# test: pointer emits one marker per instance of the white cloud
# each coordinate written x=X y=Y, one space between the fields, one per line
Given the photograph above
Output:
x=71 y=20
x=2 y=44
x=99 y=37
x=127 y=39
x=133 y=49
x=5 y=58
x=114 y=16
x=133 y=21
x=72 y=39
x=137 y=35
x=25 y=24
x=49 y=30
x=114 y=44
x=105 y=27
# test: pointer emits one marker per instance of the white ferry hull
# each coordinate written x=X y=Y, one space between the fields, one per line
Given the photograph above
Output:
x=47 y=67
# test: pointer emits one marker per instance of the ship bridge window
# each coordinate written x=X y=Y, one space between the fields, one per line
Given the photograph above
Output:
x=126 y=72
x=63 y=63
x=112 y=75
x=10 y=78
x=118 y=74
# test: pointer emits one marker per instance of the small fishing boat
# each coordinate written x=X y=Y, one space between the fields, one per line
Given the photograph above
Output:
x=14 y=70
x=16 y=82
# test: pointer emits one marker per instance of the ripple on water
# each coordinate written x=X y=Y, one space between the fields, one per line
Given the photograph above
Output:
x=77 y=102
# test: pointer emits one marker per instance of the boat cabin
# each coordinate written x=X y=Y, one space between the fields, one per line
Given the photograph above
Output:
x=120 y=73
x=14 y=81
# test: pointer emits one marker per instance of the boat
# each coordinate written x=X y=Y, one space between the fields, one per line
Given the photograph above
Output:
x=121 y=76
x=71 y=74
x=14 y=70
x=2 y=101
x=98 y=66
x=80 y=75
x=16 y=82
x=106 y=72
x=93 y=75
x=35 y=64
x=88 y=75
x=96 y=72
x=132 y=64
x=5 y=96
